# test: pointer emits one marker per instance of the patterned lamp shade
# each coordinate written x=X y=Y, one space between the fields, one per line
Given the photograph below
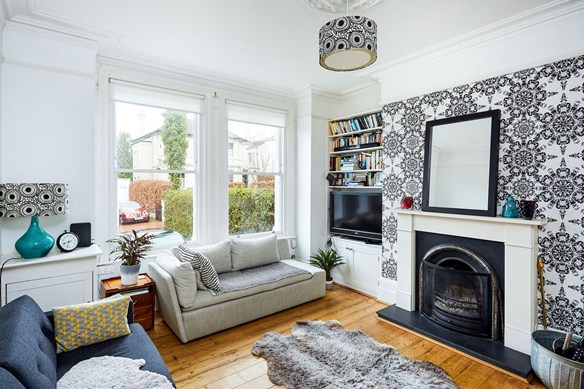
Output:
x=22 y=200
x=348 y=43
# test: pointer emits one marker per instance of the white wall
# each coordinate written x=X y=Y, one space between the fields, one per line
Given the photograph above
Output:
x=48 y=101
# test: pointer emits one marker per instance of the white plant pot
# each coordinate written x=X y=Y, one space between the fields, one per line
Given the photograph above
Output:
x=129 y=274
x=329 y=285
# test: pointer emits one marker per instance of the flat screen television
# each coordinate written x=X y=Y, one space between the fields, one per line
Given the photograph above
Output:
x=356 y=215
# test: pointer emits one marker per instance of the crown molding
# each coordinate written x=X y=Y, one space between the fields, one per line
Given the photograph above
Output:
x=310 y=90
x=24 y=16
x=535 y=17
x=135 y=63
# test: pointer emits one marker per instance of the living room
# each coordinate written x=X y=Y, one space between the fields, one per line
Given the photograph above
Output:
x=89 y=90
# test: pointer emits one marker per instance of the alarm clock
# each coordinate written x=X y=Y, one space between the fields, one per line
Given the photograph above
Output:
x=67 y=241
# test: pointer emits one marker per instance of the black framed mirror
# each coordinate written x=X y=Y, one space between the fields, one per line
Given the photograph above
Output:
x=461 y=159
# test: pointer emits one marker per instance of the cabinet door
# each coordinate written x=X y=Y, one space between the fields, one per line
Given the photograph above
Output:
x=342 y=273
x=364 y=274
x=54 y=291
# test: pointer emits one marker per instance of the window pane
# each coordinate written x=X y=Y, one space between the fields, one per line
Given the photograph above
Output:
x=253 y=147
x=154 y=138
x=146 y=201
x=251 y=203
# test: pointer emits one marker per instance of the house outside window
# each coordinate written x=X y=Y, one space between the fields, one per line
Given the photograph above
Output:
x=155 y=165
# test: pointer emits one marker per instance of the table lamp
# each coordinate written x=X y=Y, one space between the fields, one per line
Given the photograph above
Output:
x=23 y=200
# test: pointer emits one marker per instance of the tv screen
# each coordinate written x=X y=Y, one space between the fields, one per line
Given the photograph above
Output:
x=356 y=214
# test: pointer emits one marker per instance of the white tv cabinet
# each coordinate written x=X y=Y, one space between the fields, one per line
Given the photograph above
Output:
x=55 y=280
x=362 y=265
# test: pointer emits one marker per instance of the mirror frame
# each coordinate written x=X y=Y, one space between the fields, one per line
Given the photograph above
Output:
x=491 y=210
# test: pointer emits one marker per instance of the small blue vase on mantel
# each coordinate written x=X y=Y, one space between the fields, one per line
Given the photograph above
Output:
x=510 y=208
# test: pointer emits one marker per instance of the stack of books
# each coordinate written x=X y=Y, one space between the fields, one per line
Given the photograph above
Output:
x=350 y=163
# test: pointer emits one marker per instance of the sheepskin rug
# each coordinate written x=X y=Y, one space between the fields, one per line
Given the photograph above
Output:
x=324 y=355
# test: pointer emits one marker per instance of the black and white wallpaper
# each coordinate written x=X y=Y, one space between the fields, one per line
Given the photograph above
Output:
x=541 y=157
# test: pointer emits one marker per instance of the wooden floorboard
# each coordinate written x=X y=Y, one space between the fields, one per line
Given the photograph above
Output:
x=223 y=360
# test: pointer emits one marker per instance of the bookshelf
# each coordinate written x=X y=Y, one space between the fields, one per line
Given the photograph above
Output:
x=354 y=151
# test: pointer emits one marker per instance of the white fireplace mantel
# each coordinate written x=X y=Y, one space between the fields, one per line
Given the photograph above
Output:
x=520 y=239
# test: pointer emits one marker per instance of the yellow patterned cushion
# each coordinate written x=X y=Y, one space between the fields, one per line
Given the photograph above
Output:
x=85 y=324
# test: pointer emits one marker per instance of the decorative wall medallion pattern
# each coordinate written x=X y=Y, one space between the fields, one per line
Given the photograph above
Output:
x=541 y=158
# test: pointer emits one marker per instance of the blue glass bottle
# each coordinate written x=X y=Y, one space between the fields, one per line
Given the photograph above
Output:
x=510 y=208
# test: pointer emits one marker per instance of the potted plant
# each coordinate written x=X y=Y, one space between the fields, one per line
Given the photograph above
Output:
x=327 y=260
x=130 y=249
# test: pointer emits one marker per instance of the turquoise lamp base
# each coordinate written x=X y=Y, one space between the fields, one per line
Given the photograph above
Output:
x=36 y=242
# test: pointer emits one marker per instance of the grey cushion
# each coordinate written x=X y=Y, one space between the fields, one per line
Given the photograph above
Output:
x=201 y=264
x=183 y=276
x=284 y=248
x=247 y=253
x=205 y=299
x=219 y=254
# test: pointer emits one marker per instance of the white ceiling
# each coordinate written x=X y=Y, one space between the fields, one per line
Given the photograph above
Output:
x=270 y=42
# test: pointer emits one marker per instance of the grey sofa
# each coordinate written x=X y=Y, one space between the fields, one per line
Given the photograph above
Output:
x=210 y=313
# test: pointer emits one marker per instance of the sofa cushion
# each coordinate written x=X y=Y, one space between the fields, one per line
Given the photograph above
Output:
x=183 y=276
x=205 y=298
x=200 y=263
x=137 y=345
x=247 y=253
x=83 y=324
x=219 y=254
x=27 y=346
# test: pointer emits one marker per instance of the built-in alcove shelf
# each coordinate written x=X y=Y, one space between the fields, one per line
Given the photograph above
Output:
x=520 y=238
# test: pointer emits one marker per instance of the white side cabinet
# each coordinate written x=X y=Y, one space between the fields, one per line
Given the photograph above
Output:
x=361 y=268
x=54 y=280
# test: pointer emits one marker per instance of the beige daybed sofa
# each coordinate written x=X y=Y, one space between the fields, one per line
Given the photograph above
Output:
x=192 y=313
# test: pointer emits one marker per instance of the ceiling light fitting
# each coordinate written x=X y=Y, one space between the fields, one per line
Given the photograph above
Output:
x=348 y=43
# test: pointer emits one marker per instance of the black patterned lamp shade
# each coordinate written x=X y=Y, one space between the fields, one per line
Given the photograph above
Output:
x=22 y=200
x=348 y=43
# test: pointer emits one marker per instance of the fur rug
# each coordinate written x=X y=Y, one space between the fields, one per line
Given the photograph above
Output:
x=324 y=355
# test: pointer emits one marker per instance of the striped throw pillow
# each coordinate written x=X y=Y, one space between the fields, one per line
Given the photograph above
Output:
x=200 y=263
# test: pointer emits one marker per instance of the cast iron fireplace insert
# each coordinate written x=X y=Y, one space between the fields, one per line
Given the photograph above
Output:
x=459 y=290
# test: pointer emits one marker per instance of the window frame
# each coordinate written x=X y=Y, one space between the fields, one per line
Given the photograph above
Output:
x=212 y=179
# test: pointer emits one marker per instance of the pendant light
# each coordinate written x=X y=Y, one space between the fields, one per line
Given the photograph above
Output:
x=348 y=43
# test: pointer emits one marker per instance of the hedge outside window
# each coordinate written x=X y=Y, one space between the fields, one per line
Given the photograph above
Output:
x=255 y=136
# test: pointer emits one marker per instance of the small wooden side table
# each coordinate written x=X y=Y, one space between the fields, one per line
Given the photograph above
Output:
x=142 y=294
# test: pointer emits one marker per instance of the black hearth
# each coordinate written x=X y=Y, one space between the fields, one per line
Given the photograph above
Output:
x=459 y=290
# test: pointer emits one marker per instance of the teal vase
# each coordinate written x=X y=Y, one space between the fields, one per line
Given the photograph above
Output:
x=510 y=208
x=36 y=242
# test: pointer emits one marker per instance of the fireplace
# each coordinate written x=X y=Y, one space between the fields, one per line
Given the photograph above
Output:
x=459 y=290
x=508 y=246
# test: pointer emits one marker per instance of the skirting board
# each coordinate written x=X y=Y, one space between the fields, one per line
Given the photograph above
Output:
x=387 y=291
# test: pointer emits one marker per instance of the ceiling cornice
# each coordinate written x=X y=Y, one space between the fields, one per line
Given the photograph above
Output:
x=548 y=12
x=136 y=63
x=23 y=15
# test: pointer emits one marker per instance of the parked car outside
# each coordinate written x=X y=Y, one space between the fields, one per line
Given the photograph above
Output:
x=132 y=212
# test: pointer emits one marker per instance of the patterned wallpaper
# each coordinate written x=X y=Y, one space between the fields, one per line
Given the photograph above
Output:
x=541 y=157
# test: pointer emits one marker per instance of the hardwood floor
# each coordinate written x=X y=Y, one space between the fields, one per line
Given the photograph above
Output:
x=223 y=360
